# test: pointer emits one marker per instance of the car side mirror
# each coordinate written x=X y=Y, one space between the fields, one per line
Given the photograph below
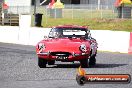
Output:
x=89 y=35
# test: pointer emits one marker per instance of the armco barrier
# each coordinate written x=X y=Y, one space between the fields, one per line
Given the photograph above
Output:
x=114 y=41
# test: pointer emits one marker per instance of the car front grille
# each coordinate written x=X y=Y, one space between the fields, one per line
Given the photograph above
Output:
x=65 y=54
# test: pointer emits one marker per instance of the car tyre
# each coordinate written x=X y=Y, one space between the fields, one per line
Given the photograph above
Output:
x=84 y=63
x=51 y=62
x=42 y=63
x=92 y=61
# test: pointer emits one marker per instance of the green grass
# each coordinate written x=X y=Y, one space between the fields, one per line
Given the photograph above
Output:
x=95 y=19
x=93 y=23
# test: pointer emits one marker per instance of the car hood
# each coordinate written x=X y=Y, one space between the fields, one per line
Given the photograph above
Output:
x=64 y=44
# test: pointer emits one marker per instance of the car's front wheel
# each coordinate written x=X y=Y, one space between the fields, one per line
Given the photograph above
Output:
x=84 y=63
x=92 y=60
x=42 y=63
x=51 y=62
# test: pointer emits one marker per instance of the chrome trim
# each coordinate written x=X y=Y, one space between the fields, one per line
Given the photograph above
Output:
x=83 y=53
x=74 y=54
x=45 y=53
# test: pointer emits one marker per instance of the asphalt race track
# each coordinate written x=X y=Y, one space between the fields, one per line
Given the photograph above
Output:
x=18 y=69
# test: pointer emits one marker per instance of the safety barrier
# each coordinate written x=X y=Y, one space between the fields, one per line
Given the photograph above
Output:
x=114 y=41
x=130 y=44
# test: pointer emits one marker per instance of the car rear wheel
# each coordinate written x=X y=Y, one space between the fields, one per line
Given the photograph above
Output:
x=42 y=63
x=84 y=63
x=92 y=61
x=51 y=62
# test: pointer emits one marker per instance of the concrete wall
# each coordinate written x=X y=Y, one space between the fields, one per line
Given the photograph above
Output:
x=19 y=6
x=18 y=2
x=113 y=41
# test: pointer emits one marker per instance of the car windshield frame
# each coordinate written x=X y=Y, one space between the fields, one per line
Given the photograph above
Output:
x=59 y=32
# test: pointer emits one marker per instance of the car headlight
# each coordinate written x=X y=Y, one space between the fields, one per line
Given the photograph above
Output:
x=83 y=48
x=41 y=46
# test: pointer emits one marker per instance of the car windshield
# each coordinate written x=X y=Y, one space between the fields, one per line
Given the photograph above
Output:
x=67 y=32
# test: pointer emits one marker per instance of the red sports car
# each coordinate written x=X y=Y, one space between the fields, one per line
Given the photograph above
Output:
x=67 y=43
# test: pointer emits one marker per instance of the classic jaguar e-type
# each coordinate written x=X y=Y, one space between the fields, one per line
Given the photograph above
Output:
x=67 y=43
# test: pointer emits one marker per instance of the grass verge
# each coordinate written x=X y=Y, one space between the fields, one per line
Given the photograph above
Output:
x=93 y=23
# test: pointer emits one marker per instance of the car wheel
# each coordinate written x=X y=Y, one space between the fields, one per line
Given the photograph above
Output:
x=42 y=63
x=92 y=61
x=84 y=63
x=51 y=62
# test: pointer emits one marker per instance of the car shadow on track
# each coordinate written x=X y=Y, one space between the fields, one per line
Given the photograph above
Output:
x=76 y=65
x=108 y=65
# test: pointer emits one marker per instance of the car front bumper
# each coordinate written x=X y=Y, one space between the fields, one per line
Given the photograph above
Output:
x=72 y=57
